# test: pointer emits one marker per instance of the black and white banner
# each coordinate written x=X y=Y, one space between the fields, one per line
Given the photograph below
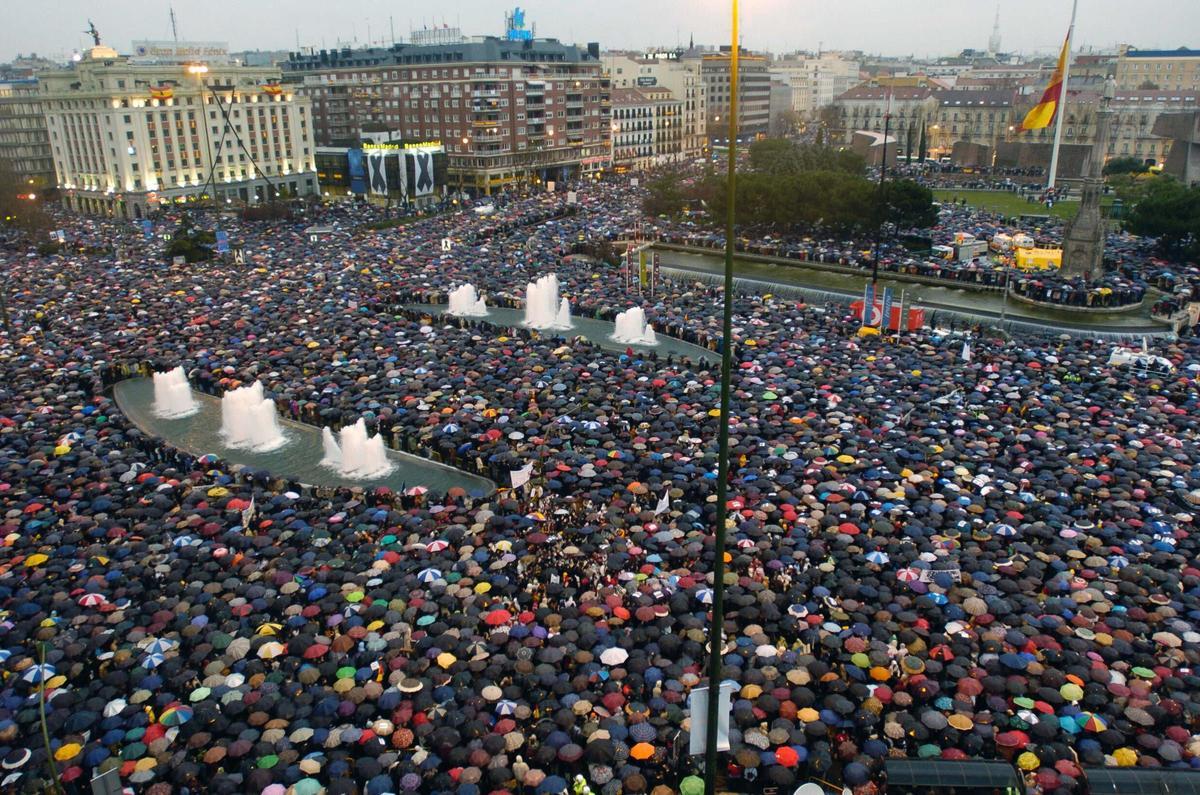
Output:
x=377 y=172
x=422 y=172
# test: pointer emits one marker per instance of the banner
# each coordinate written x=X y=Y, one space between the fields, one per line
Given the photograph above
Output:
x=643 y=271
x=521 y=476
x=886 y=316
x=377 y=172
x=422 y=172
x=147 y=229
x=698 y=706
x=222 y=241
x=654 y=276
x=357 y=170
x=628 y=266
x=868 y=304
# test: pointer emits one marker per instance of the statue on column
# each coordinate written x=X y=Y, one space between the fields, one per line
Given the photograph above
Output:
x=1083 y=238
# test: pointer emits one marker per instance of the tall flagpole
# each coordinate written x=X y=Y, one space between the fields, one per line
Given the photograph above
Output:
x=717 y=626
x=1061 y=110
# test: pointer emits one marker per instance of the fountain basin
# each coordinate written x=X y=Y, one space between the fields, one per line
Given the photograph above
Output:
x=299 y=460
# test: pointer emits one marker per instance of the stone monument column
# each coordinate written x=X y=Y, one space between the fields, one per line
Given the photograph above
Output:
x=1083 y=239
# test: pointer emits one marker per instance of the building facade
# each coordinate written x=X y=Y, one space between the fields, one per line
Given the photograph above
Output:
x=862 y=108
x=970 y=117
x=816 y=80
x=754 y=94
x=507 y=112
x=680 y=76
x=647 y=128
x=24 y=141
x=129 y=134
x=1166 y=70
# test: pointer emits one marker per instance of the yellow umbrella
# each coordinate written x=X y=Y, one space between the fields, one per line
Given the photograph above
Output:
x=67 y=752
x=269 y=628
x=218 y=491
x=1028 y=761
x=35 y=560
x=446 y=659
x=271 y=650
x=1125 y=757
x=808 y=715
x=482 y=587
x=62 y=449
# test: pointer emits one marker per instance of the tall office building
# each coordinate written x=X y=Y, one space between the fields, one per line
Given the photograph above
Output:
x=172 y=123
x=754 y=93
x=507 y=112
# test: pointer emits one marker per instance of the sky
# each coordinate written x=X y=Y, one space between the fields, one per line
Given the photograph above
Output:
x=888 y=27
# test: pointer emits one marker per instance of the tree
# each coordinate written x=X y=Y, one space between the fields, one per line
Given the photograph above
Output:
x=17 y=209
x=1170 y=212
x=922 y=149
x=787 y=124
x=190 y=243
x=779 y=157
x=907 y=204
x=1125 y=165
x=665 y=196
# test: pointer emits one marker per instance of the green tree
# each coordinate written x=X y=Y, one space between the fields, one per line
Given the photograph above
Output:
x=192 y=244
x=907 y=204
x=665 y=196
x=922 y=149
x=1170 y=212
x=17 y=210
x=1125 y=165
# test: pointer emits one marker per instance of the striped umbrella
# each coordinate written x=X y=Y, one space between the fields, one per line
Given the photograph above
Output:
x=39 y=673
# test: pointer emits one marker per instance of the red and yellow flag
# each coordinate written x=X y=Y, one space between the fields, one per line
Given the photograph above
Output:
x=1042 y=113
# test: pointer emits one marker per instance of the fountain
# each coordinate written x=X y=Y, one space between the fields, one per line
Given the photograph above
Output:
x=631 y=327
x=543 y=308
x=465 y=302
x=173 y=398
x=358 y=455
x=248 y=420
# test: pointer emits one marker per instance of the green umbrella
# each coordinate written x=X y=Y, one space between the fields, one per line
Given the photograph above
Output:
x=133 y=751
x=199 y=694
x=692 y=785
x=306 y=786
x=269 y=761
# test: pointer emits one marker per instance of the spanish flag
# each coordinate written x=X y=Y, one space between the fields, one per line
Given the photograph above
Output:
x=1043 y=113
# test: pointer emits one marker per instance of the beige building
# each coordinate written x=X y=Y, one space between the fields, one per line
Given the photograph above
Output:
x=862 y=108
x=968 y=116
x=816 y=80
x=177 y=123
x=666 y=70
x=1168 y=70
x=1134 y=115
x=647 y=128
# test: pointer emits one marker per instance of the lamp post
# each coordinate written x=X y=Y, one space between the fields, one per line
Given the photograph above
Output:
x=717 y=627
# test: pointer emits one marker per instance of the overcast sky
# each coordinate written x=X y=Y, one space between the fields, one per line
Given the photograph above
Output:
x=891 y=27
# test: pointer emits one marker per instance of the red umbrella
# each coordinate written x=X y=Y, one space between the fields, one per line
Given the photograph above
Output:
x=498 y=617
x=316 y=650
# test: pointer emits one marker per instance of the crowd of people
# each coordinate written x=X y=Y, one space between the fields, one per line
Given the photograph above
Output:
x=936 y=549
x=1132 y=268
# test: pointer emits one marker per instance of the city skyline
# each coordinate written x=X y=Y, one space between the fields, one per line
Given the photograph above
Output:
x=899 y=29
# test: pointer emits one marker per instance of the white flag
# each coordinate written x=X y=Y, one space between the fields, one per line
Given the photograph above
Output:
x=664 y=504
x=966 y=352
x=521 y=476
x=248 y=515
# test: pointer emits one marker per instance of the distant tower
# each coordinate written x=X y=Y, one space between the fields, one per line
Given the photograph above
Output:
x=994 y=39
x=1083 y=238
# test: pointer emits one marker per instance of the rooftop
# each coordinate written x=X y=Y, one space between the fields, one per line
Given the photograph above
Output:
x=1181 y=52
x=484 y=50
